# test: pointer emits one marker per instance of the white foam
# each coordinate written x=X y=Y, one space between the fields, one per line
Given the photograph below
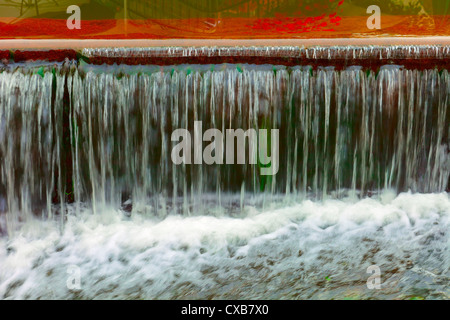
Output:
x=279 y=253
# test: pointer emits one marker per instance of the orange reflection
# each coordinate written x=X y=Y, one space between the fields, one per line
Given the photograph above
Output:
x=218 y=19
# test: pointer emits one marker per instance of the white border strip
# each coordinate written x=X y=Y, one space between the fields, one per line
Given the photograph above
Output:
x=17 y=44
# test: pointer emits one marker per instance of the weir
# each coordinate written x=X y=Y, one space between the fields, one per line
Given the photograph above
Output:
x=99 y=135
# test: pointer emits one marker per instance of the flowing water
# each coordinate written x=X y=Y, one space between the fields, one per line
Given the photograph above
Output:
x=86 y=179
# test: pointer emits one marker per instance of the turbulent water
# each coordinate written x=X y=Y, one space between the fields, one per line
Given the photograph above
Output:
x=103 y=135
x=312 y=250
x=86 y=179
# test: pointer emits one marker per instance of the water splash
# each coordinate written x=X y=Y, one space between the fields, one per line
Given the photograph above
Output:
x=312 y=250
x=97 y=135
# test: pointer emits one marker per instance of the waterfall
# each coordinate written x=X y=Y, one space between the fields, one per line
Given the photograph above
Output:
x=102 y=135
x=31 y=134
x=118 y=179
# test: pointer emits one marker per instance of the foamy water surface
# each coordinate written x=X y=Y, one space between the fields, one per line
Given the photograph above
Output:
x=309 y=250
